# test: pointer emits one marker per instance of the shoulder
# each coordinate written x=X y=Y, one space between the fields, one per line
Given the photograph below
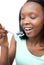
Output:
x=17 y=38
x=17 y=41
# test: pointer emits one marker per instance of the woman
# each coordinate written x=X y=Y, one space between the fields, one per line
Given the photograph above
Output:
x=28 y=49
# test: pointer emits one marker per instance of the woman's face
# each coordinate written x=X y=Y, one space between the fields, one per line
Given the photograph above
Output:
x=32 y=18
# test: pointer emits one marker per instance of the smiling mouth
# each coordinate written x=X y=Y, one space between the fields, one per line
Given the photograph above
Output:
x=28 y=28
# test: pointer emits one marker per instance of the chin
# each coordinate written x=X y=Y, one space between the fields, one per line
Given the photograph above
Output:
x=30 y=35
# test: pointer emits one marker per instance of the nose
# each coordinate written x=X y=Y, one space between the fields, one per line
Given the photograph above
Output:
x=27 y=21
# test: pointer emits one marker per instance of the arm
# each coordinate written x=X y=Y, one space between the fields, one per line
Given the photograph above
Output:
x=4 y=55
x=4 y=47
x=12 y=50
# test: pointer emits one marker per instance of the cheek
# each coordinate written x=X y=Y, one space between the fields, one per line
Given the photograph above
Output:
x=38 y=23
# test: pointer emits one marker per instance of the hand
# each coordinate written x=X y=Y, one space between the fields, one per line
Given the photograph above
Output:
x=3 y=36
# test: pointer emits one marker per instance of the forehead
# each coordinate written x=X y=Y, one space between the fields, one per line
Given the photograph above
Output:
x=31 y=6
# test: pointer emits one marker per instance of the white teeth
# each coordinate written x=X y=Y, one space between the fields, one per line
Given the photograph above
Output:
x=27 y=29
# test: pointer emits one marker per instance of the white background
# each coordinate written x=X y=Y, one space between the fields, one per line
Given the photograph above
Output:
x=9 y=12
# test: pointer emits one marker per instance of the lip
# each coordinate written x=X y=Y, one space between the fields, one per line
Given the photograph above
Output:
x=28 y=29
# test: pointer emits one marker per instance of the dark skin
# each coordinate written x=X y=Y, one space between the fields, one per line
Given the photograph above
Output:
x=4 y=46
x=29 y=18
x=7 y=56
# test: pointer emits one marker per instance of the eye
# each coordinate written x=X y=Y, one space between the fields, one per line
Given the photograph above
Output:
x=33 y=16
x=22 y=17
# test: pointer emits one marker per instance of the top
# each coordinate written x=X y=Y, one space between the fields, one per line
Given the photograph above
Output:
x=23 y=56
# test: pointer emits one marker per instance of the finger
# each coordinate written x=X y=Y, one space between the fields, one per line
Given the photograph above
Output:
x=3 y=31
x=0 y=26
x=2 y=39
x=3 y=35
x=0 y=36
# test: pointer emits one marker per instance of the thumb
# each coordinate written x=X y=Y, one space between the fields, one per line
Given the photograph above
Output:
x=0 y=26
